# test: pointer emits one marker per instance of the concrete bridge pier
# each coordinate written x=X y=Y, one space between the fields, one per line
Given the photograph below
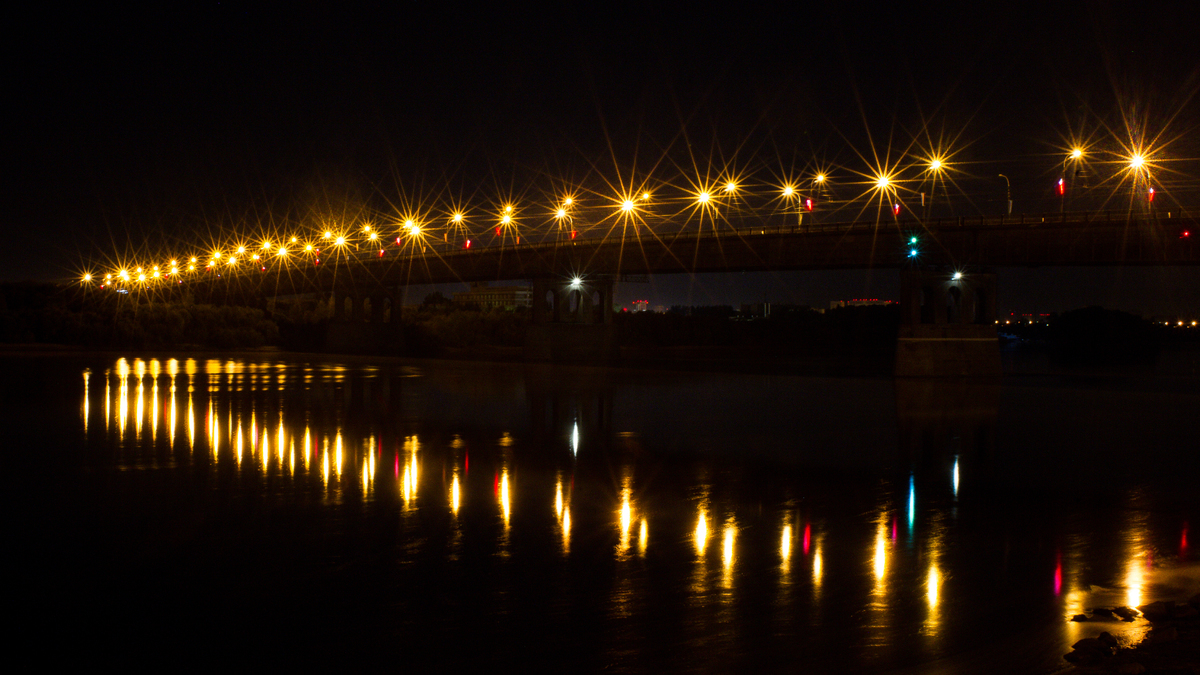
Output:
x=370 y=325
x=947 y=325
x=571 y=321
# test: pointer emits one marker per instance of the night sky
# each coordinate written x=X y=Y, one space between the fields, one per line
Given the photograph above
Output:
x=144 y=131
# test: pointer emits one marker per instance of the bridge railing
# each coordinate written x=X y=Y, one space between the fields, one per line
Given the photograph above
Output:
x=741 y=230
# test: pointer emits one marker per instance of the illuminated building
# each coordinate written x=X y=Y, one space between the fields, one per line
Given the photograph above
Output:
x=495 y=297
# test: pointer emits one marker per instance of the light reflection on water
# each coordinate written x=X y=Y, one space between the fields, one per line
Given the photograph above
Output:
x=324 y=430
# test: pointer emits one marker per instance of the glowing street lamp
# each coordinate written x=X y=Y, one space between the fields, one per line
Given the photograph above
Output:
x=703 y=197
x=627 y=206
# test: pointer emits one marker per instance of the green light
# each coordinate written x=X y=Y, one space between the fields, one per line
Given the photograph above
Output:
x=913 y=240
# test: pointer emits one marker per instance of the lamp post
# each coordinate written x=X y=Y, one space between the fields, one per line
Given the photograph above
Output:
x=1007 y=194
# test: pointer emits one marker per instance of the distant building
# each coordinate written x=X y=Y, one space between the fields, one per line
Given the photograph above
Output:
x=641 y=306
x=860 y=302
x=758 y=310
x=495 y=297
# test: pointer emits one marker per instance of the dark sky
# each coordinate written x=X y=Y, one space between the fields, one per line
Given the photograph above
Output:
x=144 y=131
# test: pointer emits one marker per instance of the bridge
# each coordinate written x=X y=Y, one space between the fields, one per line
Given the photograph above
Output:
x=948 y=288
x=743 y=245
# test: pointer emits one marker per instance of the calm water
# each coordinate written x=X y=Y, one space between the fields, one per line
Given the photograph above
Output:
x=269 y=510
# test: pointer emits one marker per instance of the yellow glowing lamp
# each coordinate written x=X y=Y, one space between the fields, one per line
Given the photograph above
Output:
x=217 y=255
x=568 y=201
x=139 y=269
x=627 y=205
x=703 y=197
x=1076 y=153
x=87 y=277
x=506 y=220
x=820 y=178
x=882 y=182
x=374 y=236
x=107 y=277
x=340 y=241
x=645 y=196
x=731 y=186
x=193 y=261
x=241 y=250
x=293 y=240
x=141 y=277
x=282 y=251
x=508 y=209
x=328 y=234
x=1136 y=162
x=935 y=164
x=458 y=218
x=560 y=214
x=191 y=268
x=788 y=190
x=174 y=270
x=308 y=247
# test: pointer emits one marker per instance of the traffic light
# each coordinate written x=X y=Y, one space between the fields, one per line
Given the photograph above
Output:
x=896 y=209
x=808 y=204
x=1062 y=187
x=1150 y=197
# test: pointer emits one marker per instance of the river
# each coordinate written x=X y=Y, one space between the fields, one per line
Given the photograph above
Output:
x=270 y=509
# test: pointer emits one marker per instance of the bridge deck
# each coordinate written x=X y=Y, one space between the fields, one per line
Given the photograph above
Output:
x=1020 y=241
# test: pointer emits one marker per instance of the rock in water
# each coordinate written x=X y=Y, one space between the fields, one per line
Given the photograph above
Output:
x=1157 y=611
x=1126 y=613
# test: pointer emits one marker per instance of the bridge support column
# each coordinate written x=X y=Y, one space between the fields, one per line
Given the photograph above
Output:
x=339 y=306
x=571 y=323
x=948 y=325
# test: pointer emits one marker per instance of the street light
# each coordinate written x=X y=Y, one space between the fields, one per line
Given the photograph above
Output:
x=1007 y=193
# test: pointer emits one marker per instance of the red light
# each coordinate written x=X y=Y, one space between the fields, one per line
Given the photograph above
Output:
x=468 y=244
x=1151 y=194
x=497 y=232
x=808 y=204
x=1062 y=187
x=573 y=233
x=896 y=210
x=1185 y=234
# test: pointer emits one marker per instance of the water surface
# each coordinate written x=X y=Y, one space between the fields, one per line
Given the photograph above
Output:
x=268 y=509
